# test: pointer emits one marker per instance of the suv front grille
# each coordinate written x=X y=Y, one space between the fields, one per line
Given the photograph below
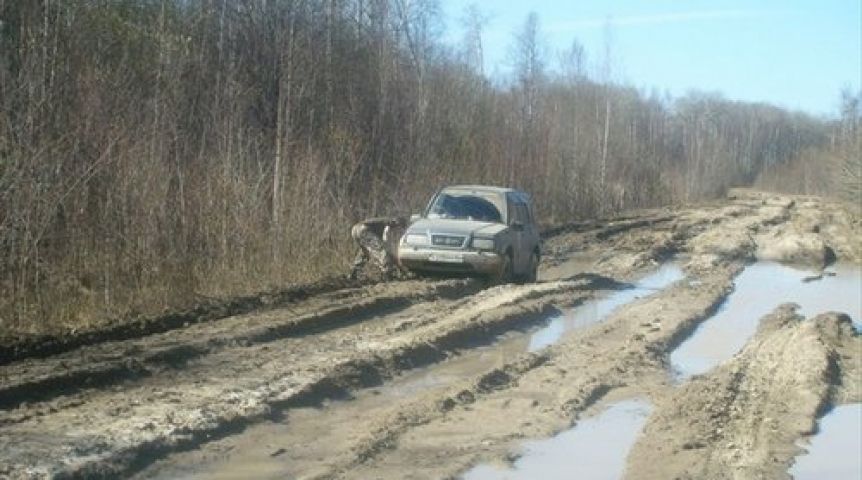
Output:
x=451 y=241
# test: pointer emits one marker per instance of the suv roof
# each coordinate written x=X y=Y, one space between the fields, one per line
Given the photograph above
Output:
x=485 y=188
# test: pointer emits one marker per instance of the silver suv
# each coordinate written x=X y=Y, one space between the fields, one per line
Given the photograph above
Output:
x=474 y=230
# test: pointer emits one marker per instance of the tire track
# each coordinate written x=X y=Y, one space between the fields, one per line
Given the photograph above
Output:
x=102 y=365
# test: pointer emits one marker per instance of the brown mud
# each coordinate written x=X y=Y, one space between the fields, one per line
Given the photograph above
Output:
x=428 y=378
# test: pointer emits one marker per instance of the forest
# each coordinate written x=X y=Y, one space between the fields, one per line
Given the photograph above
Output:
x=157 y=153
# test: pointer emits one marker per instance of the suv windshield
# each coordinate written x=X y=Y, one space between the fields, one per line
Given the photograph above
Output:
x=464 y=207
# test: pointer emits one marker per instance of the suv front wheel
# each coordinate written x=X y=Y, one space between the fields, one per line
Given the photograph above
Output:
x=507 y=271
x=532 y=274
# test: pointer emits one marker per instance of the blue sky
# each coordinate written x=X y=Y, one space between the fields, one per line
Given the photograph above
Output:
x=797 y=54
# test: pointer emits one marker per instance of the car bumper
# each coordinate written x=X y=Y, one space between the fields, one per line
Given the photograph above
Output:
x=455 y=261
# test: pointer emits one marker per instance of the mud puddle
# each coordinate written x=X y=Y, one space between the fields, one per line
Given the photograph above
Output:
x=834 y=451
x=468 y=364
x=594 y=311
x=757 y=291
x=596 y=448
x=575 y=263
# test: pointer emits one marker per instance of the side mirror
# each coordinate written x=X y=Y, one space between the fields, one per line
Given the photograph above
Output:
x=518 y=226
x=415 y=217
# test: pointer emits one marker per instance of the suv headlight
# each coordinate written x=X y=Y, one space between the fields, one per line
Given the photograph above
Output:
x=483 y=243
x=416 y=239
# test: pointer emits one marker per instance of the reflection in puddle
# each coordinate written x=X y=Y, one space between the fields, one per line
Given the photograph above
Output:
x=834 y=450
x=596 y=448
x=594 y=311
x=759 y=289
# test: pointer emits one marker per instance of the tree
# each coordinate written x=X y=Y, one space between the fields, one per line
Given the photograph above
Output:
x=573 y=63
x=528 y=57
x=474 y=21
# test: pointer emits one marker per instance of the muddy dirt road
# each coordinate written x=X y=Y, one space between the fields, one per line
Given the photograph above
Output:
x=448 y=378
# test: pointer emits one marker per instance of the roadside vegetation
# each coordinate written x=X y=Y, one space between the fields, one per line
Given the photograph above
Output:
x=154 y=153
x=834 y=170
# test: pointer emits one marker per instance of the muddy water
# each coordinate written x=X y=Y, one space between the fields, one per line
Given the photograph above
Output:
x=594 y=311
x=757 y=291
x=834 y=451
x=596 y=448
x=576 y=263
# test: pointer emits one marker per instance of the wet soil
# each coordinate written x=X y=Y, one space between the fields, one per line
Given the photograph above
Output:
x=429 y=378
x=243 y=453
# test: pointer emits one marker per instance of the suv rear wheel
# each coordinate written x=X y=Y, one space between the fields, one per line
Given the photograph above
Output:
x=533 y=271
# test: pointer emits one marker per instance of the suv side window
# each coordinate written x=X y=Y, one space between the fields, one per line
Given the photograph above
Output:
x=521 y=214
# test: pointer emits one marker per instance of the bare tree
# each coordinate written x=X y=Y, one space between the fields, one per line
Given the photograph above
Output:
x=528 y=57
x=474 y=21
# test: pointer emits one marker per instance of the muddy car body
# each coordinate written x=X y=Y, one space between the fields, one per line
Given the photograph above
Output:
x=474 y=230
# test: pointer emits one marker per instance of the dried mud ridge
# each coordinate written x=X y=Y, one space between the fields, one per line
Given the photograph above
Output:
x=143 y=403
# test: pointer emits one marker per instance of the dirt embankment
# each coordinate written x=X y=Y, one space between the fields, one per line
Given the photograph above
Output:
x=328 y=383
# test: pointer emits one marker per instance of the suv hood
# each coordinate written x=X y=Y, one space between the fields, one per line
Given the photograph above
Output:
x=456 y=227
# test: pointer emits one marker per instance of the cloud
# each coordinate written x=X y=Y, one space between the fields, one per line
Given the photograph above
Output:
x=655 y=19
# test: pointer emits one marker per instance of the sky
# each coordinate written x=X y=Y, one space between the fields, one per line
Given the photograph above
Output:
x=797 y=54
